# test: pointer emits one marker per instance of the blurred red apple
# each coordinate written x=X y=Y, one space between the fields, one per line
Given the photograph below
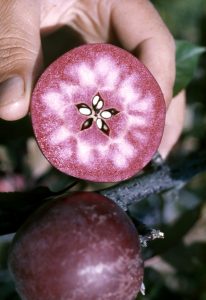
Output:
x=81 y=246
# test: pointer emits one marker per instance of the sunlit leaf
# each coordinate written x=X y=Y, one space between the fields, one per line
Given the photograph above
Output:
x=187 y=55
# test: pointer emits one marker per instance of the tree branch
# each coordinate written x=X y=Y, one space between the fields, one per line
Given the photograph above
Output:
x=156 y=181
x=16 y=207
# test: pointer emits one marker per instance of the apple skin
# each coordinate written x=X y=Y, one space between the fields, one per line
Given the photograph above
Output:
x=81 y=246
x=134 y=130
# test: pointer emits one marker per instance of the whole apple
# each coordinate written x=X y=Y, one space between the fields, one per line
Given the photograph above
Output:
x=81 y=246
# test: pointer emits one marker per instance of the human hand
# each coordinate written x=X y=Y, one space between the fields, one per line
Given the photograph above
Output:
x=133 y=24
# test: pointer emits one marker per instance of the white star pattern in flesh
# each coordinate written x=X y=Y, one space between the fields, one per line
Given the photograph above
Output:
x=60 y=135
x=68 y=90
x=124 y=150
x=86 y=75
x=143 y=105
x=84 y=151
x=127 y=92
x=106 y=71
x=55 y=102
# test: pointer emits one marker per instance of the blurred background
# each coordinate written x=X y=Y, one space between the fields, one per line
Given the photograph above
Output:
x=175 y=266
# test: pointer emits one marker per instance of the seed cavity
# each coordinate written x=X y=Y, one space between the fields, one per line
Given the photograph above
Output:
x=97 y=103
x=87 y=124
x=95 y=100
x=105 y=128
x=99 y=123
x=96 y=114
x=106 y=114
x=100 y=104
x=84 y=109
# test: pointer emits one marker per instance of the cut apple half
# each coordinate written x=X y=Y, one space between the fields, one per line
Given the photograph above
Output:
x=98 y=114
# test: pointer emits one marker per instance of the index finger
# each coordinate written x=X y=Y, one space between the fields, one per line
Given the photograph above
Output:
x=140 y=30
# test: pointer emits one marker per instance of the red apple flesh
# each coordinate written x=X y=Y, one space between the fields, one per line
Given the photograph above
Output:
x=98 y=114
x=82 y=246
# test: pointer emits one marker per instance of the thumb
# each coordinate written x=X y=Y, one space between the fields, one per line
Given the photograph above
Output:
x=20 y=55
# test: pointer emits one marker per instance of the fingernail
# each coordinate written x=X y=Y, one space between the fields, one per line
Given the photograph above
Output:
x=11 y=90
x=14 y=111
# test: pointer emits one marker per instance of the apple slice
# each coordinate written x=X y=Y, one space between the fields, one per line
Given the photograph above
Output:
x=98 y=113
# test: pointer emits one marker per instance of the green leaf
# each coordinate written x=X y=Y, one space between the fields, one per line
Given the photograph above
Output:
x=187 y=55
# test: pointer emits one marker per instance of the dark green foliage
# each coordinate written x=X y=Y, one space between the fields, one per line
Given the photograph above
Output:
x=187 y=55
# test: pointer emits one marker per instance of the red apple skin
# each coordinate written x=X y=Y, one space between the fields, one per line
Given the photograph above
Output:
x=82 y=246
x=125 y=84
